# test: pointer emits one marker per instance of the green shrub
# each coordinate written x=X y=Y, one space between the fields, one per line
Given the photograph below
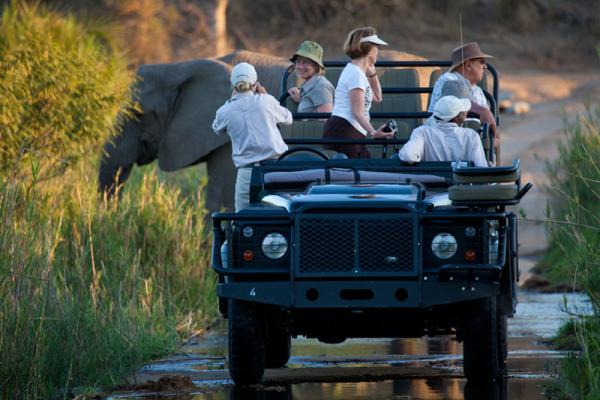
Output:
x=61 y=88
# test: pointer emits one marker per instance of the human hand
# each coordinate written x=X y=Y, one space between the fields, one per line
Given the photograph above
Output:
x=371 y=70
x=294 y=94
x=486 y=115
x=381 y=134
x=260 y=88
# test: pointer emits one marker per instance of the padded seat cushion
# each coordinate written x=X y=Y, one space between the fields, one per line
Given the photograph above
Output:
x=338 y=175
x=504 y=176
x=482 y=192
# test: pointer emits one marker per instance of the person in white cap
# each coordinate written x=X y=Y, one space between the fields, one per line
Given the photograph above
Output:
x=445 y=140
x=357 y=87
x=250 y=118
x=468 y=66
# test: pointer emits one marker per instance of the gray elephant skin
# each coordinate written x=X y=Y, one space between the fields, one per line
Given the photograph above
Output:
x=178 y=103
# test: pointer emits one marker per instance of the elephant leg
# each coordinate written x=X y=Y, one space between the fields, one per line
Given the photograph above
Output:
x=118 y=158
x=220 y=190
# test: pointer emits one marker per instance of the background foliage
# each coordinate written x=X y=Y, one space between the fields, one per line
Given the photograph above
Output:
x=61 y=88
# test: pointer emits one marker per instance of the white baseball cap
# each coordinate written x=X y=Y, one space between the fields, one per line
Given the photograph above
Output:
x=373 y=39
x=449 y=107
x=243 y=72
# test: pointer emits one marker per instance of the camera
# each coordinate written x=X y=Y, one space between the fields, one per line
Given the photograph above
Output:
x=390 y=126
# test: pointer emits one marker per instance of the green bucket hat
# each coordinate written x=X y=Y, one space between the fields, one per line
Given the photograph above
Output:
x=311 y=50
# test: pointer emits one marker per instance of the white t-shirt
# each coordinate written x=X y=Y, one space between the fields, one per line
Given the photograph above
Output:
x=352 y=77
x=443 y=141
x=251 y=122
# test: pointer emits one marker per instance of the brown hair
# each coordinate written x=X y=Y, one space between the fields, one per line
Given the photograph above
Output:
x=317 y=67
x=353 y=47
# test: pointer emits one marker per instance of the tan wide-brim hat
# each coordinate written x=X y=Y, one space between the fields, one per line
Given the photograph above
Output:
x=466 y=52
x=311 y=50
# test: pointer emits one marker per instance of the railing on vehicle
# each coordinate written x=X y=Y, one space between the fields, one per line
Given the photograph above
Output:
x=400 y=115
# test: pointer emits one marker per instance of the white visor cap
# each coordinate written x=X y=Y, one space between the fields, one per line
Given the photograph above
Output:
x=449 y=107
x=373 y=39
x=243 y=72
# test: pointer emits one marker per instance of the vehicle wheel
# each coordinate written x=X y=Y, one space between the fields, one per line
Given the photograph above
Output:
x=480 y=347
x=246 y=343
x=502 y=328
x=223 y=301
x=278 y=346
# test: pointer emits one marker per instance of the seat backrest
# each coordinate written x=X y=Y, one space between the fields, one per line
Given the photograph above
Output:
x=303 y=129
x=396 y=102
x=333 y=75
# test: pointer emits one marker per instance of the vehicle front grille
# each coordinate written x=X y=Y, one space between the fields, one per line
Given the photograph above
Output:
x=351 y=244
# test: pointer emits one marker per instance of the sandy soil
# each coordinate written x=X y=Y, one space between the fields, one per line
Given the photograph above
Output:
x=533 y=138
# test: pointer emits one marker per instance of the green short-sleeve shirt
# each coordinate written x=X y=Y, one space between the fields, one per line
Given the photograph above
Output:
x=314 y=93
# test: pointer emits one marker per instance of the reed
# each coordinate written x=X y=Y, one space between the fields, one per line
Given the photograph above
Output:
x=574 y=250
x=92 y=288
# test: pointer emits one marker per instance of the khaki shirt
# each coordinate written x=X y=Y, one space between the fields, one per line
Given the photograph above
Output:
x=251 y=120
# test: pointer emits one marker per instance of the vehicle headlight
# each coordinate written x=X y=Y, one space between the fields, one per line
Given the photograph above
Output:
x=274 y=245
x=444 y=245
x=225 y=254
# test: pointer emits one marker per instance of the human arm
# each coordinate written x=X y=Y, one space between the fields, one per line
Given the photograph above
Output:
x=281 y=114
x=219 y=125
x=476 y=152
x=413 y=150
x=375 y=85
x=357 y=104
x=321 y=96
x=325 y=108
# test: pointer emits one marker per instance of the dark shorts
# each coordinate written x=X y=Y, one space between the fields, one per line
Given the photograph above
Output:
x=339 y=128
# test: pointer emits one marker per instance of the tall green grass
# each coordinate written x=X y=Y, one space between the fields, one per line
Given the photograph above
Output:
x=574 y=250
x=90 y=289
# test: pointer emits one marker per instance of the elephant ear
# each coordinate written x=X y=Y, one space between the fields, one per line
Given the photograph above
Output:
x=189 y=137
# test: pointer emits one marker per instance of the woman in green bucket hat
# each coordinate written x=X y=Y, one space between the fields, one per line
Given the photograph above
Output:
x=316 y=93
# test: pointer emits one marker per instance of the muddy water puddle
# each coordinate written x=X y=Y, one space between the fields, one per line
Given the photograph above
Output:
x=427 y=368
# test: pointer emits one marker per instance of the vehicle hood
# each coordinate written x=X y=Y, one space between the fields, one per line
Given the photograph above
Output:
x=350 y=195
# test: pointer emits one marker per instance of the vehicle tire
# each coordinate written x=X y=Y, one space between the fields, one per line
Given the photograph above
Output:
x=278 y=346
x=502 y=328
x=223 y=306
x=480 y=347
x=246 y=343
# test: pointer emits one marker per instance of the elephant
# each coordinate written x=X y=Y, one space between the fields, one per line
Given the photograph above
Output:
x=178 y=103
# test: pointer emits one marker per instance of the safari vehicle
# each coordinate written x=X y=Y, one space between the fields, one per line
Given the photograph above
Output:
x=334 y=248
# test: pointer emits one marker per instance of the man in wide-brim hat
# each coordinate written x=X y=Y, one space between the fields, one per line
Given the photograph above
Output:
x=468 y=65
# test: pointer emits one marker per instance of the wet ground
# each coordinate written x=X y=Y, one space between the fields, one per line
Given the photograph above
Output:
x=427 y=368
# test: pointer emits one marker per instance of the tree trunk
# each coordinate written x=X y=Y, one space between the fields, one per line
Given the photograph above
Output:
x=216 y=16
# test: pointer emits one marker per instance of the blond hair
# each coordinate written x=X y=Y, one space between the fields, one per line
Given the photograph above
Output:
x=243 y=87
x=353 y=46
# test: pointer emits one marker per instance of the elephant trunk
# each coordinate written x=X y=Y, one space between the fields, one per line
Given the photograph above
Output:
x=120 y=153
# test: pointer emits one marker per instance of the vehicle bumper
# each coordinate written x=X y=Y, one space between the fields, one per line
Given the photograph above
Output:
x=363 y=294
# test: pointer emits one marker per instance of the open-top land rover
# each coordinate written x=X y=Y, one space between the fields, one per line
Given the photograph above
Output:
x=333 y=248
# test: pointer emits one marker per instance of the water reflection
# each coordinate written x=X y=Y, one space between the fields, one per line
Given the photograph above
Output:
x=495 y=390
x=430 y=389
